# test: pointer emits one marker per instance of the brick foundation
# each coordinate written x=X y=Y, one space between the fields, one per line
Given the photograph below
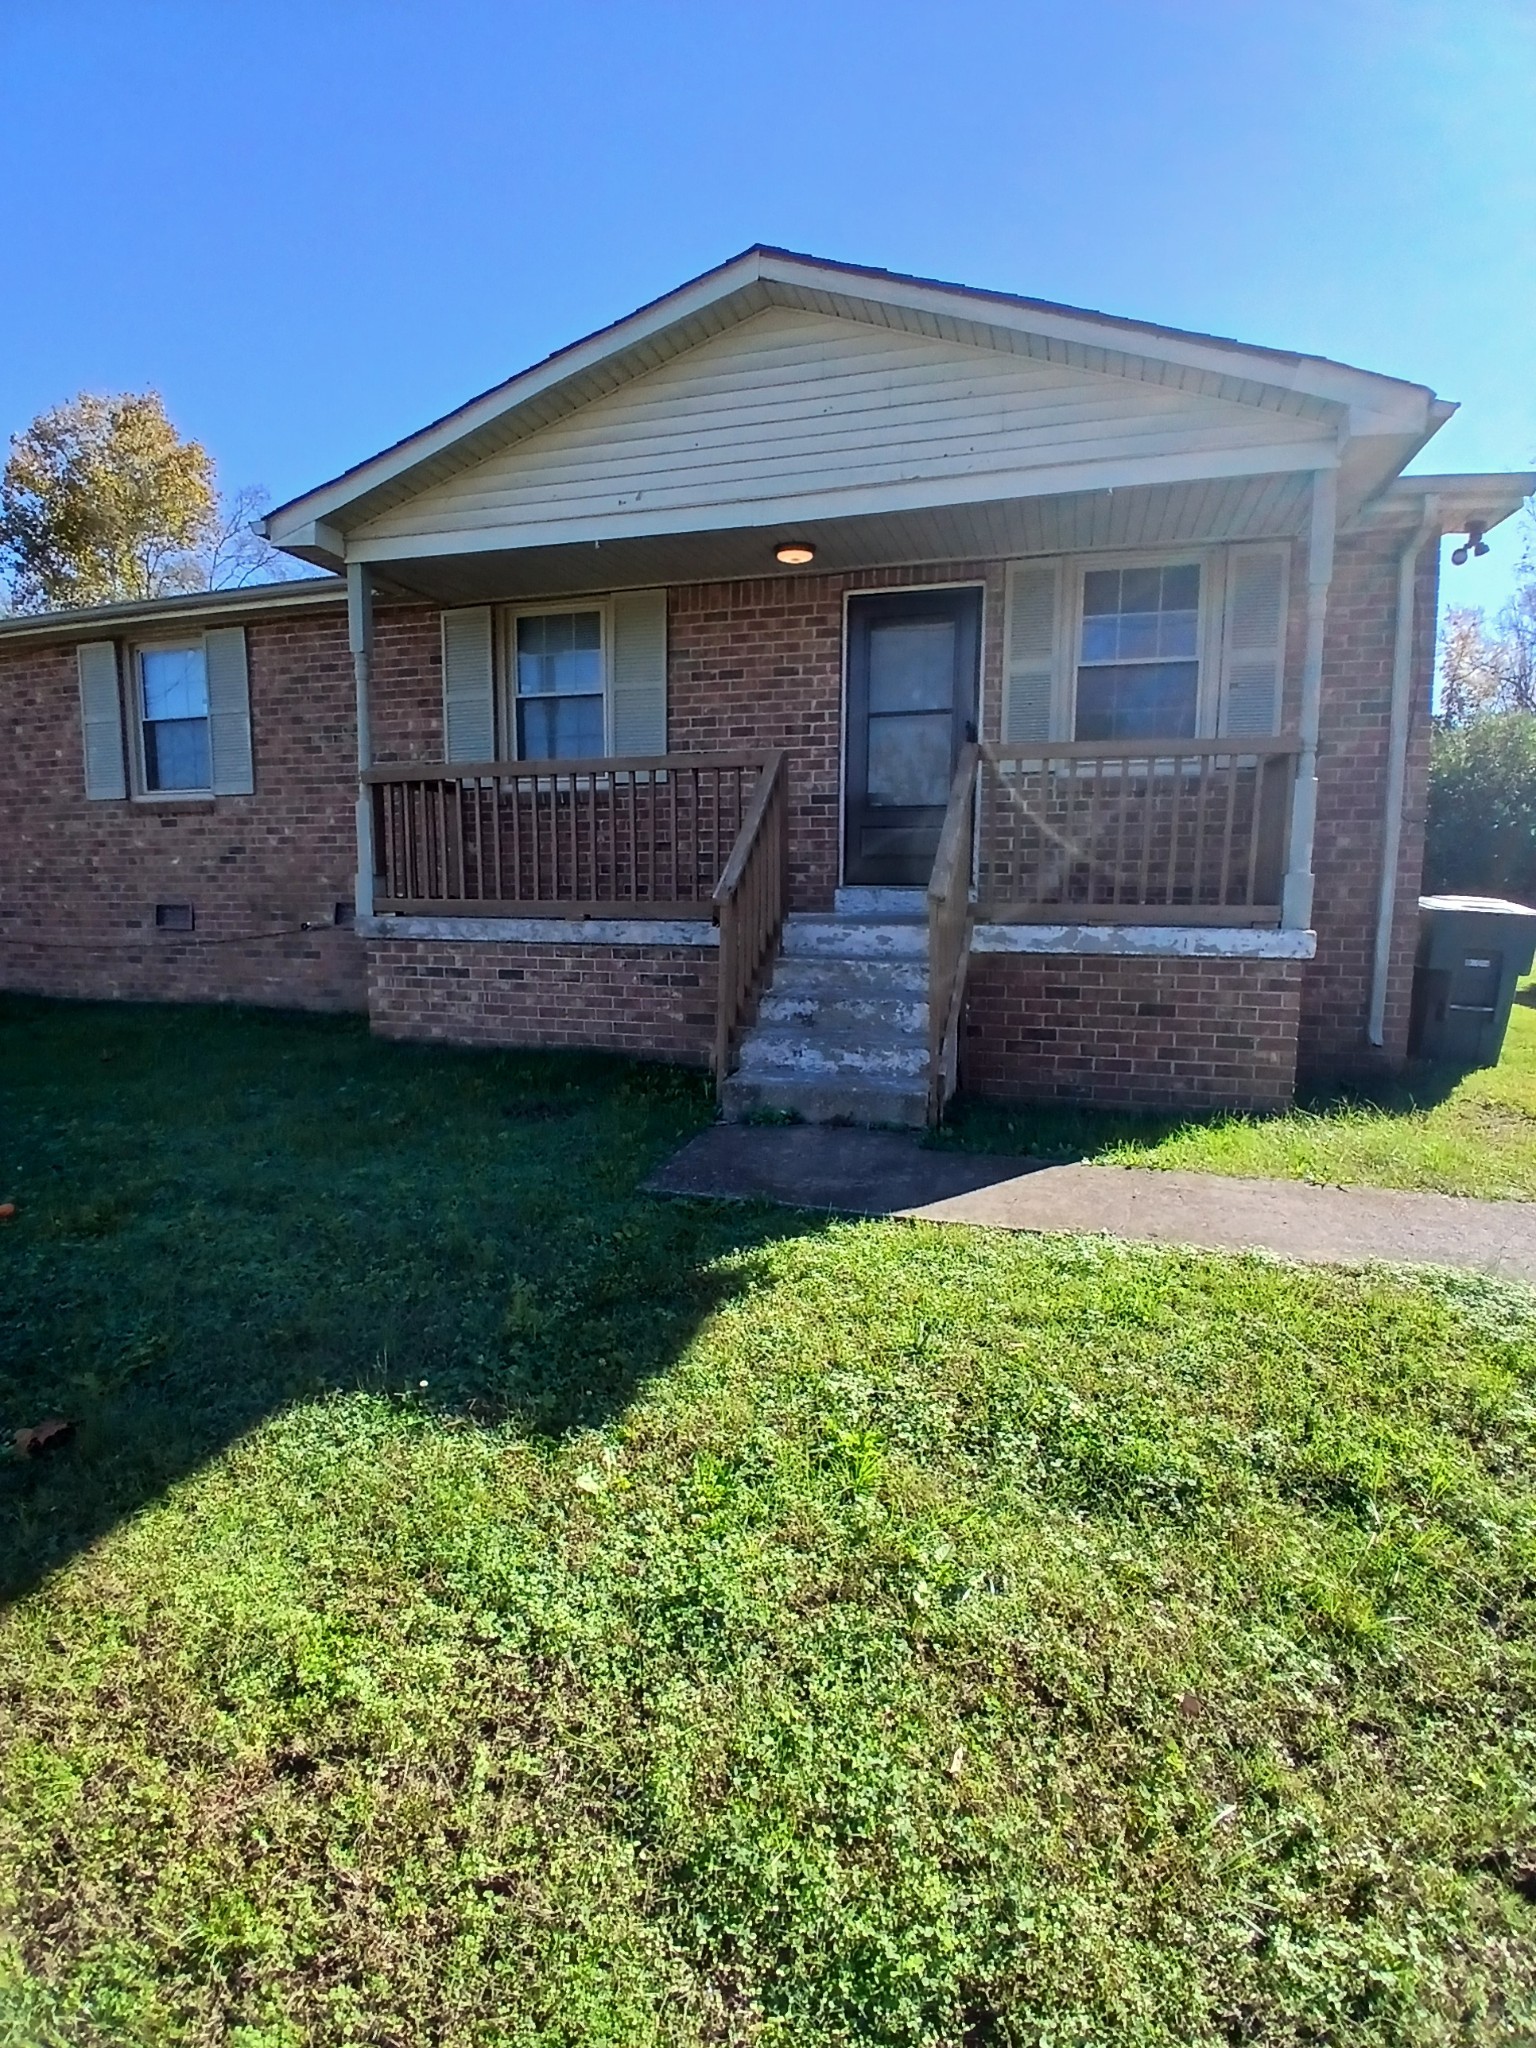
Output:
x=653 y=1002
x=1131 y=1033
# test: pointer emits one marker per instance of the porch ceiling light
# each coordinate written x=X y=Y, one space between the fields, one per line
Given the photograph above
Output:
x=794 y=554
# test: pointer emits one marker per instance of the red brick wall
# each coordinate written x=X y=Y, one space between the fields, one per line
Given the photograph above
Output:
x=1352 y=770
x=655 y=1002
x=79 y=880
x=1131 y=1033
x=760 y=664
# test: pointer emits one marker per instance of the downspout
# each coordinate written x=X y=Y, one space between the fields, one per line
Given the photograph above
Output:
x=360 y=636
x=1296 y=899
x=1397 y=766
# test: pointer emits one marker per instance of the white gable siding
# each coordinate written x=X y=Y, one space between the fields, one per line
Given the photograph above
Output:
x=790 y=404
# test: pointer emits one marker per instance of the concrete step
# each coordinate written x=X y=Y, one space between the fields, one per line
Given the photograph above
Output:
x=833 y=938
x=829 y=1009
x=817 y=974
x=826 y=1102
x=788 y=1049
x=882 y=906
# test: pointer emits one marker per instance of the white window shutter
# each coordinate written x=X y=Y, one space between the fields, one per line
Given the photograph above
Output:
x=101 y=719
x=469 y=689
x=640 y=672
x=229 y=711
x=1253 y=640
x=1030 y=638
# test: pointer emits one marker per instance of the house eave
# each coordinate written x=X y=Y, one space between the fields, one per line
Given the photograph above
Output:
x=1356 y=402
x=202 y=608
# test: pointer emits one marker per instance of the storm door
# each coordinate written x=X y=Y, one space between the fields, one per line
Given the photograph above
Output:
x=913 y=659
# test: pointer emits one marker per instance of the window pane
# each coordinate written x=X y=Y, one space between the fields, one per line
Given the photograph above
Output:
x=1176 y=632
x=1138 y=636
x=176 y=754
x=560 y=653
x=1181 y=588
x=174 y=682
x=1141 y=590
x=912 y=665
x=559 y=728
x=909 y=758
x=1146 y=700
x=1101 y=591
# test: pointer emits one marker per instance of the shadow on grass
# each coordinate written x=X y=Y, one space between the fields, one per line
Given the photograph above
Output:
x=221 y=1213
x=1063 y=1132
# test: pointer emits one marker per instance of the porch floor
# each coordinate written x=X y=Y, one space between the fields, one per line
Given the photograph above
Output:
x=882 y=1173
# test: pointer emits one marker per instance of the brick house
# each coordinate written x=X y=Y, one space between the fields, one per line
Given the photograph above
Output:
x=847 y=680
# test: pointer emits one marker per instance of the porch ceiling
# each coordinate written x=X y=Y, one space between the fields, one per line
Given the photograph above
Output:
x=1077 y=522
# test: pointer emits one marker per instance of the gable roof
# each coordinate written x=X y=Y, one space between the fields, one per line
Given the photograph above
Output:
x=1342 y=403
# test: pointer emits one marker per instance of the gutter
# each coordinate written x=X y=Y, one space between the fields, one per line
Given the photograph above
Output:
x=1397 y=766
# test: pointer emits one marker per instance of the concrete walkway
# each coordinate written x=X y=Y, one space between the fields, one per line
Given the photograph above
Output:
x=881 y=1173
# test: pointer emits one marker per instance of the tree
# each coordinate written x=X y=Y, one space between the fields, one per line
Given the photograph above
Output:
x=102 y=501
x=1481 y=829
x=1483 y=671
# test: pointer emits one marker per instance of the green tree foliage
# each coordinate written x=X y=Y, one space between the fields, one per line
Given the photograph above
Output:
x=102 y=501
x=1482 y=807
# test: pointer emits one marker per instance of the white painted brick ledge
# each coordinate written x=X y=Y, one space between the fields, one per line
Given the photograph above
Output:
x=1147 y=941
x=547 y=931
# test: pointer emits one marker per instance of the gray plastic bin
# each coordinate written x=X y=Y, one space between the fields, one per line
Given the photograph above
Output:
x=1472 y=951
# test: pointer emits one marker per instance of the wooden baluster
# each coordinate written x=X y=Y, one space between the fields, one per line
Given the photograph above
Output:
x=1260 y=761
x=1226 y=830
x=1144 y=877
x=1123 y=784
x=1170 y=874
x=634 y=843
x=1202 y=793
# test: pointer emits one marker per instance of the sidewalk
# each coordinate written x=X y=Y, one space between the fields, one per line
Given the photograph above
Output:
x=882 y=1173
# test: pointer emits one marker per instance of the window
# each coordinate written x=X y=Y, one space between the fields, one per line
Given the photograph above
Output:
x=172 y=686
x=1138 y=674
x=557 y=665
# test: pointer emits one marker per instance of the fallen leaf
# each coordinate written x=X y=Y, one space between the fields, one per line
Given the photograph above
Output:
x=44 y=1436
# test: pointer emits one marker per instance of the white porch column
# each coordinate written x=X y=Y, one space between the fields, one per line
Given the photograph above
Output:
x=360 y=635
x=1296 y=898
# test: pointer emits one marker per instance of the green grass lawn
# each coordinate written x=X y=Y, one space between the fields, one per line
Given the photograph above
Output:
x=483 y=1605
x=1460 y=1133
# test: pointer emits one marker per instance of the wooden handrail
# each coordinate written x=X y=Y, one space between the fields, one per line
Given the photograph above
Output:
x=750 y=900
x=595 y=764
x=1136 y=750
x=949 y=931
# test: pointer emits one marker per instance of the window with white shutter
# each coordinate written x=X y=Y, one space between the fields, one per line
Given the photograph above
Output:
x=640 y=672
x=101 y=720
x=1030 y=637
x=229 y=711
x=469 y=686
x=1253 y=641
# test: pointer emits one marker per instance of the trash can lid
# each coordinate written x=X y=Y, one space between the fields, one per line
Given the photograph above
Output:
x=1494 y=906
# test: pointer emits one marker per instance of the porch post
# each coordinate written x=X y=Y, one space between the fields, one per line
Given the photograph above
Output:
x=1296 y=898
x=360 y=635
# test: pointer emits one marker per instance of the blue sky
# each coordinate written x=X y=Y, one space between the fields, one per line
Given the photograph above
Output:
x=316 y=226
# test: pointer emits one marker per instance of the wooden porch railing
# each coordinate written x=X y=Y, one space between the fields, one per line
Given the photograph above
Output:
x=750 y=900
x=949 y=932
x=623 y=837
x=1154 y=832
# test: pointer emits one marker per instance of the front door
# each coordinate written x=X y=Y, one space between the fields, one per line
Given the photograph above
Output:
x=913 y=659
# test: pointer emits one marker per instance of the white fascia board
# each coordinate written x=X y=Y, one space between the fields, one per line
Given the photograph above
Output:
x=917 y=495
x=530 y=383
x=1368 y=395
